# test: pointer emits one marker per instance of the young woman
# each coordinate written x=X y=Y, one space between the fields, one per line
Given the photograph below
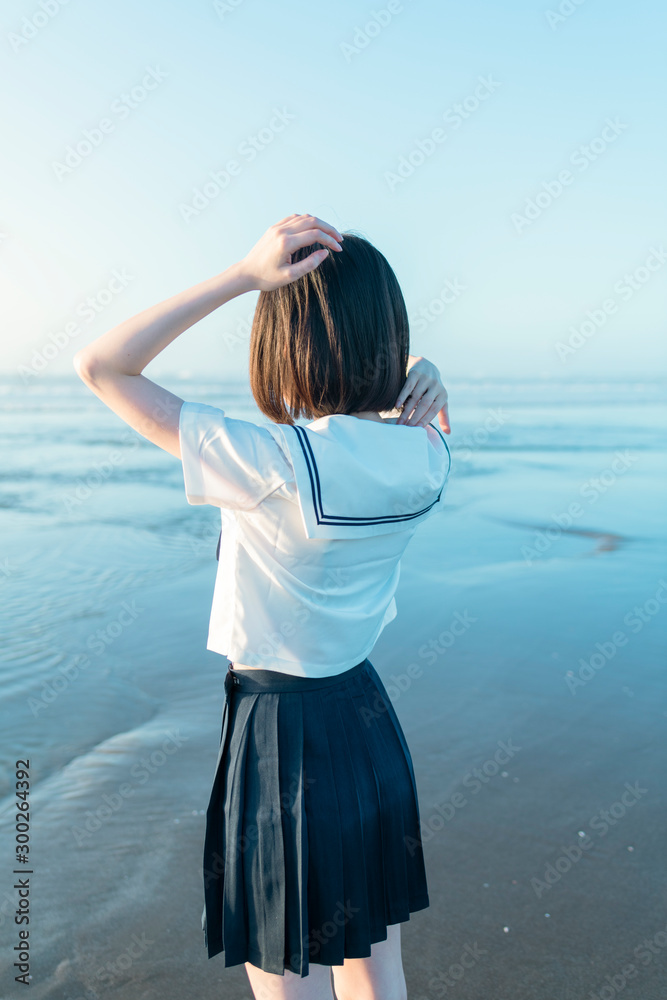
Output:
x=312 y=855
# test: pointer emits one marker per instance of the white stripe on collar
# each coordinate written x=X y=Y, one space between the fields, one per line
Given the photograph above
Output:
x=357 y=477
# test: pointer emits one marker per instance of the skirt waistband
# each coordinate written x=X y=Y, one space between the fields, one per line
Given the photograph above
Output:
x=256 y=680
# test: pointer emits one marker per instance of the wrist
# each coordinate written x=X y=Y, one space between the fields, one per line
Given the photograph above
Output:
x=239 y=278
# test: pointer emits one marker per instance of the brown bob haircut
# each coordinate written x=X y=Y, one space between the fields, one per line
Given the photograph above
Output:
x=334 y=341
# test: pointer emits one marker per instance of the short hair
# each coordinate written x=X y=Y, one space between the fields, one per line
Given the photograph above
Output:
x=334 y=341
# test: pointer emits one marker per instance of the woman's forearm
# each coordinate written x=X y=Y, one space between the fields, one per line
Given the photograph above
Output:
x=129 y=347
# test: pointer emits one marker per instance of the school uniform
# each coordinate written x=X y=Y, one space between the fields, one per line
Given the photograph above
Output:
x=312 y=844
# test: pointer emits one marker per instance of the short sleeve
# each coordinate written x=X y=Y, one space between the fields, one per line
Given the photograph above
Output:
x=228 y=462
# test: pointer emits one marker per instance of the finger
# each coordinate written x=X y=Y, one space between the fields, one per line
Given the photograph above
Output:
x=427 y=417
x=431 y=402
x=410 y=408
x=418 y=390
x=297 y=240
x=410 y=383
x=438 y=405
x=443 y=417
x=420 y=415
x=302 y=267
x=312 y=222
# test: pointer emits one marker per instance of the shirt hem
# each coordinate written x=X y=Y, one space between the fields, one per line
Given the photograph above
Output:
x=294 y=667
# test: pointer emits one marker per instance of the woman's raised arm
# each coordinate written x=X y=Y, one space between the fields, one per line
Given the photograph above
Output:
x=111 y=365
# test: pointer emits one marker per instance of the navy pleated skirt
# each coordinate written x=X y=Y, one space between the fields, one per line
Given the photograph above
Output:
x=312 y=845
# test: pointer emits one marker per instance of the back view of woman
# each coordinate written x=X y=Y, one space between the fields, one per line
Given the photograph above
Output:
x=312 y=853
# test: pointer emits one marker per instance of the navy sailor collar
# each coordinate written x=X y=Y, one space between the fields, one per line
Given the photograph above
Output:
x=358 y=477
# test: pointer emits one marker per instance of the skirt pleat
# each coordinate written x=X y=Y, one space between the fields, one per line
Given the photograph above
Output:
x=358 y=889
x=325 y=889
x=263 y=853
x=234 y=909
x=390 y=774
x=295 y=830
x=312 y=844
x=368 y=804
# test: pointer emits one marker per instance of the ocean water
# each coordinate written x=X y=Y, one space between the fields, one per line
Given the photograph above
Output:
x=95 y=526
x=106 y=578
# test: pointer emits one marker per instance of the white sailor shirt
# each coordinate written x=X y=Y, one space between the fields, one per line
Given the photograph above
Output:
x=314 y=521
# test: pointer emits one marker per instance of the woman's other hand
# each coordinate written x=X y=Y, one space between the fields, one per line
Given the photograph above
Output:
x=269 y=264
x=422 y=396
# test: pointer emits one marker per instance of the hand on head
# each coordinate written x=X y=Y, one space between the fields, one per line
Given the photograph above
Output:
x=269 y=264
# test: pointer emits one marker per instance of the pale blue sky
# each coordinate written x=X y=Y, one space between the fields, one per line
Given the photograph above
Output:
x=219 y=74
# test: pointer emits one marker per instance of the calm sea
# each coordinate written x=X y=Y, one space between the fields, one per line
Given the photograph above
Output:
x=106 y=572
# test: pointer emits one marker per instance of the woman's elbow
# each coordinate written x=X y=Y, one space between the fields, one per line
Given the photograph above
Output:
x=84 y=366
